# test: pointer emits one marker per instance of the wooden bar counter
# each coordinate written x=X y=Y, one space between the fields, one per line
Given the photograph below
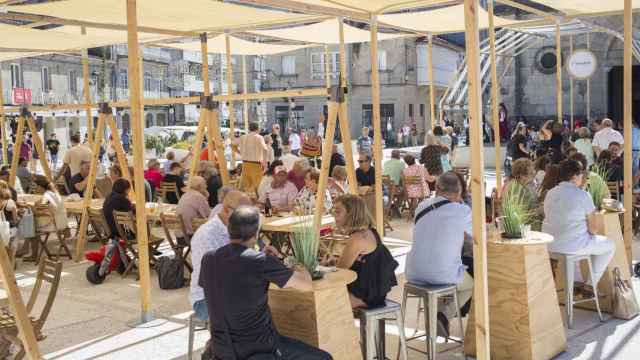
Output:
x=322 y=317
x=525 y=320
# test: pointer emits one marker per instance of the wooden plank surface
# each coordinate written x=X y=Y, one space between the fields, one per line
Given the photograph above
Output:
x=16 y=151
x=287 y=224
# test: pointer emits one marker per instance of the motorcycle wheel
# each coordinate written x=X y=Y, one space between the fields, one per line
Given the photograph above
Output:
x=93 y=275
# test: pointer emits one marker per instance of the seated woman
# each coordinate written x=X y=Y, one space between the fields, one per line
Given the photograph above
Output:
x=523 y=173
x=153 y=173
x=551 y=180
x=569 y=219
x=605 y=166
x=265 y=183
x=306 y=199
x=281 y=193
x=337 y=183
x=540 y=167
x=364 y=253
x=419 y=191
x=117 y=200
x=54 y=200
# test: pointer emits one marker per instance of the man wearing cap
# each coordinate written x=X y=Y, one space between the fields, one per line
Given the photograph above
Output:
x=252 y=150
x=282 y=192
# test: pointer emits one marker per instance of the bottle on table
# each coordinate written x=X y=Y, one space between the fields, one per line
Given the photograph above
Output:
x=268 y=209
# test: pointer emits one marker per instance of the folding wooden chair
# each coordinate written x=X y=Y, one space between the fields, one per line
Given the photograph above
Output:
x=196 y=223
x=50 y=272
x=99 y=225
x=45 y=227
x=126 y=225
x=173 y=225
x=412 y=202
x=392 y=206
x=614 y=189
x=167 y=188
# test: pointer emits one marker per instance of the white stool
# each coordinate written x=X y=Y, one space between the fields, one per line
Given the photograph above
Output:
x=368 y=319
x=570 y=262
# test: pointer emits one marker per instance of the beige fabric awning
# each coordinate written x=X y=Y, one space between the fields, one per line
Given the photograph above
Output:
x=372 y=6
x=325 y=32
x=183 y=15
x=577 y=7
x=217 y=45
x=5 y=56
x=119 y=35
x=16 y=37
x=444 y=20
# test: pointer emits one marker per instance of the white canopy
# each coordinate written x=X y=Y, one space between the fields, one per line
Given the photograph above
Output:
x=325 y=32
x=217 y=45
x=23 y=38
x=577 y=7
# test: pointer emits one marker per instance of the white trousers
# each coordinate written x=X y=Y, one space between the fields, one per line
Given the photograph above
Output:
x=601 y=251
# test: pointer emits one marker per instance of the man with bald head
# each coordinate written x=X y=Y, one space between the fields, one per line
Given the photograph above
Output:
x=194 y=203
x=211 y=236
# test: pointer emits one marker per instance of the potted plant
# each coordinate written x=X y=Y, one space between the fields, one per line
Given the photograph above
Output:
x=515 y=210
x=306 y=242
x=597 y=186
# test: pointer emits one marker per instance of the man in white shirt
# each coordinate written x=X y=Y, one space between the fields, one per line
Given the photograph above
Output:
x=438 y=240
x=211 y=236
x=604 y=137
x=77 y=154
x=252 y=149
x=295 y=143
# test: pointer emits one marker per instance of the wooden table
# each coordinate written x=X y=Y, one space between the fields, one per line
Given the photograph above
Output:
x=612 y=230
x=321 y=317
x=524 y=314
x=286 y=223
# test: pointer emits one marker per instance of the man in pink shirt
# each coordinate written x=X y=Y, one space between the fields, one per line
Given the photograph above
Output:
x=194 y=203
x=282 y=193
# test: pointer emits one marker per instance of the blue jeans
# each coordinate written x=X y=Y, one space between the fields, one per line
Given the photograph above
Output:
x=201 y=310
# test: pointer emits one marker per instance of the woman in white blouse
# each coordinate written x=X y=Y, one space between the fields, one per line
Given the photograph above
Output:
x=569 y=209
x=54 y=200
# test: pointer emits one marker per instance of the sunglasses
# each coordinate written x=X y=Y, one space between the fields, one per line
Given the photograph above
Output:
x=363 y=161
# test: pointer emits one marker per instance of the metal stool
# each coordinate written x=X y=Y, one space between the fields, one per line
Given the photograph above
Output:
x=429 y=295
x=195 y=324
x=368 y=332
x=570 y=262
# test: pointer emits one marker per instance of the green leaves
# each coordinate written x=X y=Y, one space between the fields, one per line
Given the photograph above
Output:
x=306 y=241
x=597 y=185
x=515 y=209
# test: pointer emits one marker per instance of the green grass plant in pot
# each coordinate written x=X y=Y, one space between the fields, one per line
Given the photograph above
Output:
x=515 y=210
x=597 y=186
x=306 y=242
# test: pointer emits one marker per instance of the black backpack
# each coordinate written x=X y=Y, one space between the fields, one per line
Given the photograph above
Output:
x=170 y=272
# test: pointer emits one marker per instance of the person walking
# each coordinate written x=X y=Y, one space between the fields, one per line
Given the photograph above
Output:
x=53 y=145
x=252 y=150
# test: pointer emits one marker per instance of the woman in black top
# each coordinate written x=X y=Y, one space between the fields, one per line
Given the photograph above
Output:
x=117 y=200
x=519 y=143
x=365 y=253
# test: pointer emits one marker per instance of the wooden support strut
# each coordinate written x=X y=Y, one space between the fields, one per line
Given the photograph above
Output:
x=558 y=73
x=245 y=90
x=588 y=95
x=332 y=109
x=628 y=114
x=480 y=289
x=230 y=107
x=432 y=91
x=377 y=126
x=207 y=91
x=495 y=114
x=120 y=154
x=37 y=141
x=17 y=145
x=343 y=114
x=105 y=111
x=3 y=128
x=571 y=86
x=138 y=159
x=86 y=88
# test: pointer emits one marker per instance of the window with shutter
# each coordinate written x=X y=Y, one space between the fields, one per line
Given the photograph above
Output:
x=46 y=80
x=73 y=83
x=288 y=65
x=16 y=76
x=382 y=60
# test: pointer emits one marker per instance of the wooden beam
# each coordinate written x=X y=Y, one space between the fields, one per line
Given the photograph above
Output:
x=558 y=73
x=122 y=27
x=377 y=126
x=432 y=90
x=37 y=142
x=480 y=289
x=571 y=84
x=16 y=148
x=214 y=114
x=327 y=66
x=527 y=8
x=343 y=113
x=495 y=115
x=88 y=192
x=204 y=53
x=588 y=95
x=245 y=90
x=230 y=106
x=86 y=88
x=197 y=146
x=628 y=120
x=3 y=127
x=135 y=96
x=16 y=305
x=117 y=142
x=332 y=110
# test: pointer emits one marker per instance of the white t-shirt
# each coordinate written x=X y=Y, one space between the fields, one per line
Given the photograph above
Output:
x=75 y=156
x=294 y=141
x=566 y=207
x=606 y=136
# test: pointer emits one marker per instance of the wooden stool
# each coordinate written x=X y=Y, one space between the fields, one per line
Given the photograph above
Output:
x=368 y=332
x=570 y=261
x=429 y=295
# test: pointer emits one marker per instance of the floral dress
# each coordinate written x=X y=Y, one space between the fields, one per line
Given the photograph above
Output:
x=417 y=190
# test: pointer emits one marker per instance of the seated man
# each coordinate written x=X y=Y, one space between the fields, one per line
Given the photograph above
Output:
x=442 y=225
x=365 y=173
x=80 y=180
x=236 y=280
x=211 y=236
x=194 y=203
x=394 y=167
x=175 y=176
x=281 y=193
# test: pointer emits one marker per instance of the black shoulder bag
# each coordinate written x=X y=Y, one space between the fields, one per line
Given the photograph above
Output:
x=430 y=208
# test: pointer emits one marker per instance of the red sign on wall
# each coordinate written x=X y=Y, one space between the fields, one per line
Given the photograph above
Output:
x=22 y=96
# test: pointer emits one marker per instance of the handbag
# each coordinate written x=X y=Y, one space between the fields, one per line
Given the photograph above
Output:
x=170 y=272
x=26 y=226
x=625 y=305
x=5 y=229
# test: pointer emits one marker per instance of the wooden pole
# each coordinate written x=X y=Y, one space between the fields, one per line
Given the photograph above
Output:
x=480 y=290
x=37 y=141
x=197 y=148
x=327 y=68
x=377 y=128
x=16 y=305
x=343 y=112
x=16 y=147
x=122 y=157
x=628 y=119
x=332 y=109
x=245 y=90
x=588 y=85
x=87 y=90
x=135 y=96
x=91 y=181
x=207 y=91
x=3 y=127
x=214 y=115
x=232 y=112
x=558 y=73
x=495 y=114
x=432 y=91
x=571 y=85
